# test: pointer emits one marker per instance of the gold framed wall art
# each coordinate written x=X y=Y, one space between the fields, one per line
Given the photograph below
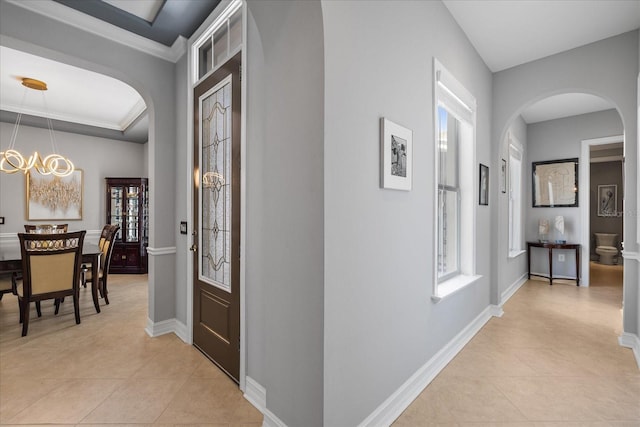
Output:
x=54 y=198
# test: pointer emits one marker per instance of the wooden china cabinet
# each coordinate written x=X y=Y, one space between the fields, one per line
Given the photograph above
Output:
x=128 y=206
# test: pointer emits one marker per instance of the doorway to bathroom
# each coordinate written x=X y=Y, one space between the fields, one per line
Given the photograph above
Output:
x=606 y=180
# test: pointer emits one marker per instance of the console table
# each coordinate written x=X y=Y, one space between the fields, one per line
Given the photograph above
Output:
x=550 y=246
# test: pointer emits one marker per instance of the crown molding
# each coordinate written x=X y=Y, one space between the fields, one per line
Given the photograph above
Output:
x=82 y=21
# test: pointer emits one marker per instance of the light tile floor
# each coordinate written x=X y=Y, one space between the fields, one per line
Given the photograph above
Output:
x=553 y=359
x=107 y=371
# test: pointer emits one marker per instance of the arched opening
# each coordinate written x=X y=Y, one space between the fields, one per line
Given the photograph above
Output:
x=109 y=141
x=576 y=125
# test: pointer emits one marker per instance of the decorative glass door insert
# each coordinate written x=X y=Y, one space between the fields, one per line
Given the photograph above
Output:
x=215 y=178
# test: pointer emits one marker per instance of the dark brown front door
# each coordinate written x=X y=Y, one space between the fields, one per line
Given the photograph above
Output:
x=216 y=257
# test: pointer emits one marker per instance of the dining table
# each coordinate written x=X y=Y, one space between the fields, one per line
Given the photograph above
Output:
x=11 y=261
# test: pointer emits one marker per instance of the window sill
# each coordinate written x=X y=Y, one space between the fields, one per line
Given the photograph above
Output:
x=452 y=286
x=515 y=254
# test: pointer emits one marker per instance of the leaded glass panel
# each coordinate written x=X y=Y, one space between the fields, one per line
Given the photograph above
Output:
x=215 y=169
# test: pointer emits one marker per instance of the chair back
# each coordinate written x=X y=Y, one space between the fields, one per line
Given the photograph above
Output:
x=46 y=228
x=50 y=262
x=107 y=248
x=104 y=235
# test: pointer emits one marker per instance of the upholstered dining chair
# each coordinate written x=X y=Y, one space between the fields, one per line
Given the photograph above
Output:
x=50 y=270
x=105 y=262
x=46 y=228
x=104 y=236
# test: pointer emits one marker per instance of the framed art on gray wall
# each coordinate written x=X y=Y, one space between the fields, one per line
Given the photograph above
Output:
x=483 y=185
x=54 y=198
x=607 y=200
x=396 y=159
x=555 y=183
x=396 y=155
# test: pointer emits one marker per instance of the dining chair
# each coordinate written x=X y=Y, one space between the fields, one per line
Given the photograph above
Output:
x=46 y=228
x=105 y=263
x=50 y=270
x=104 y=235
x=6 y=284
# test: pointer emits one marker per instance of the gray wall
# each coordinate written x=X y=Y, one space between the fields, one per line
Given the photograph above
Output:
x=562 y=139
x=154 y=79
x=605 y=173
x=608 y=68
x=381 y=325
x=285 y=207
x=183 y=193
x=511 y=269
x=88 y=153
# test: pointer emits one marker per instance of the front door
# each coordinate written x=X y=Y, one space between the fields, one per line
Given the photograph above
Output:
x=216 y=250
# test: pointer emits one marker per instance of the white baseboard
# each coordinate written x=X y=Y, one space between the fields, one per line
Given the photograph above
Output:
x=256 y=394
x=155 y=329
x=513 y=288
x=390 y=409
x=631 y=341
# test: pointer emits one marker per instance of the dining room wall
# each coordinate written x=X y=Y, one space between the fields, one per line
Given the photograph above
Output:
x=98 y=158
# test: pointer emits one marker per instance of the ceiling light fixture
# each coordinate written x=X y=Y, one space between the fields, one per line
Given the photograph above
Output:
x=12 y=161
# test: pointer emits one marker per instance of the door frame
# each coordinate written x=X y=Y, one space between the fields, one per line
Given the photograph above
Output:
x=584 y=197
x=210 y=22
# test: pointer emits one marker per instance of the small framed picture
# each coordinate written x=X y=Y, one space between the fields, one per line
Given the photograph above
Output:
x=503 y=176
x=396 y=156
x=607 y=200
x=483 y=185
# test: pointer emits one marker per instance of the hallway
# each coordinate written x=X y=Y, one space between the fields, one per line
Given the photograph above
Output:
x=553 y=359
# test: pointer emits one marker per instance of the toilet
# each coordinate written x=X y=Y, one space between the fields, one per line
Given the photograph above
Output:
x=606 y=248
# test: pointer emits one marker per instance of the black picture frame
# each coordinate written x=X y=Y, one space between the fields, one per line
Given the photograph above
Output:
x=483 y=185
x=554 y=183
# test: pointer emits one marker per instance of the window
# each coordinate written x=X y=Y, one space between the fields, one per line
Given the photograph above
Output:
x=516 y=246
x=455 y=180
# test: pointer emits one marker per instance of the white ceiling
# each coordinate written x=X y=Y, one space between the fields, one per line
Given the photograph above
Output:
x=98 y=100
x=509 y=33
x=566 y=105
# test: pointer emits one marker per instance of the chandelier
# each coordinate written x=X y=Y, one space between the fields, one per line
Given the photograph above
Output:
x=12 y=161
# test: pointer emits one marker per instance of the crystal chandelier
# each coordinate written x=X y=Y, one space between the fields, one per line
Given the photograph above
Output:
x=12 y=161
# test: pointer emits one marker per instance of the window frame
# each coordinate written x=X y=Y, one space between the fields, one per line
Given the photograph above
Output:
x=451 y=95
x=516 y=152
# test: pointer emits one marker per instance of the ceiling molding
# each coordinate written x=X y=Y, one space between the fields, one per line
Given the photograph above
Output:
x=140 y=137
x=133 y=114
x=59 y=117
x=95 y=26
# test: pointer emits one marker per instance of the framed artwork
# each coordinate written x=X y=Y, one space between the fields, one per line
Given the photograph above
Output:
x=607 y=200
x=503 y=176
x=396 y=159
x=555 y=183
x=54 y=198
x=483 y=185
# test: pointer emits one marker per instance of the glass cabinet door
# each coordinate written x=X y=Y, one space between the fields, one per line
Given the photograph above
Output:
x=133 y=193
x=117 y=207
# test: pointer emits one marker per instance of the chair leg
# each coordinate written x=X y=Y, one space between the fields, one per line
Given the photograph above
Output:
x=57 y=305
x=76 y=306
x=38 y=309
x=20 y=302
x=25 y=317
x=104 y=290
x=94 y=295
